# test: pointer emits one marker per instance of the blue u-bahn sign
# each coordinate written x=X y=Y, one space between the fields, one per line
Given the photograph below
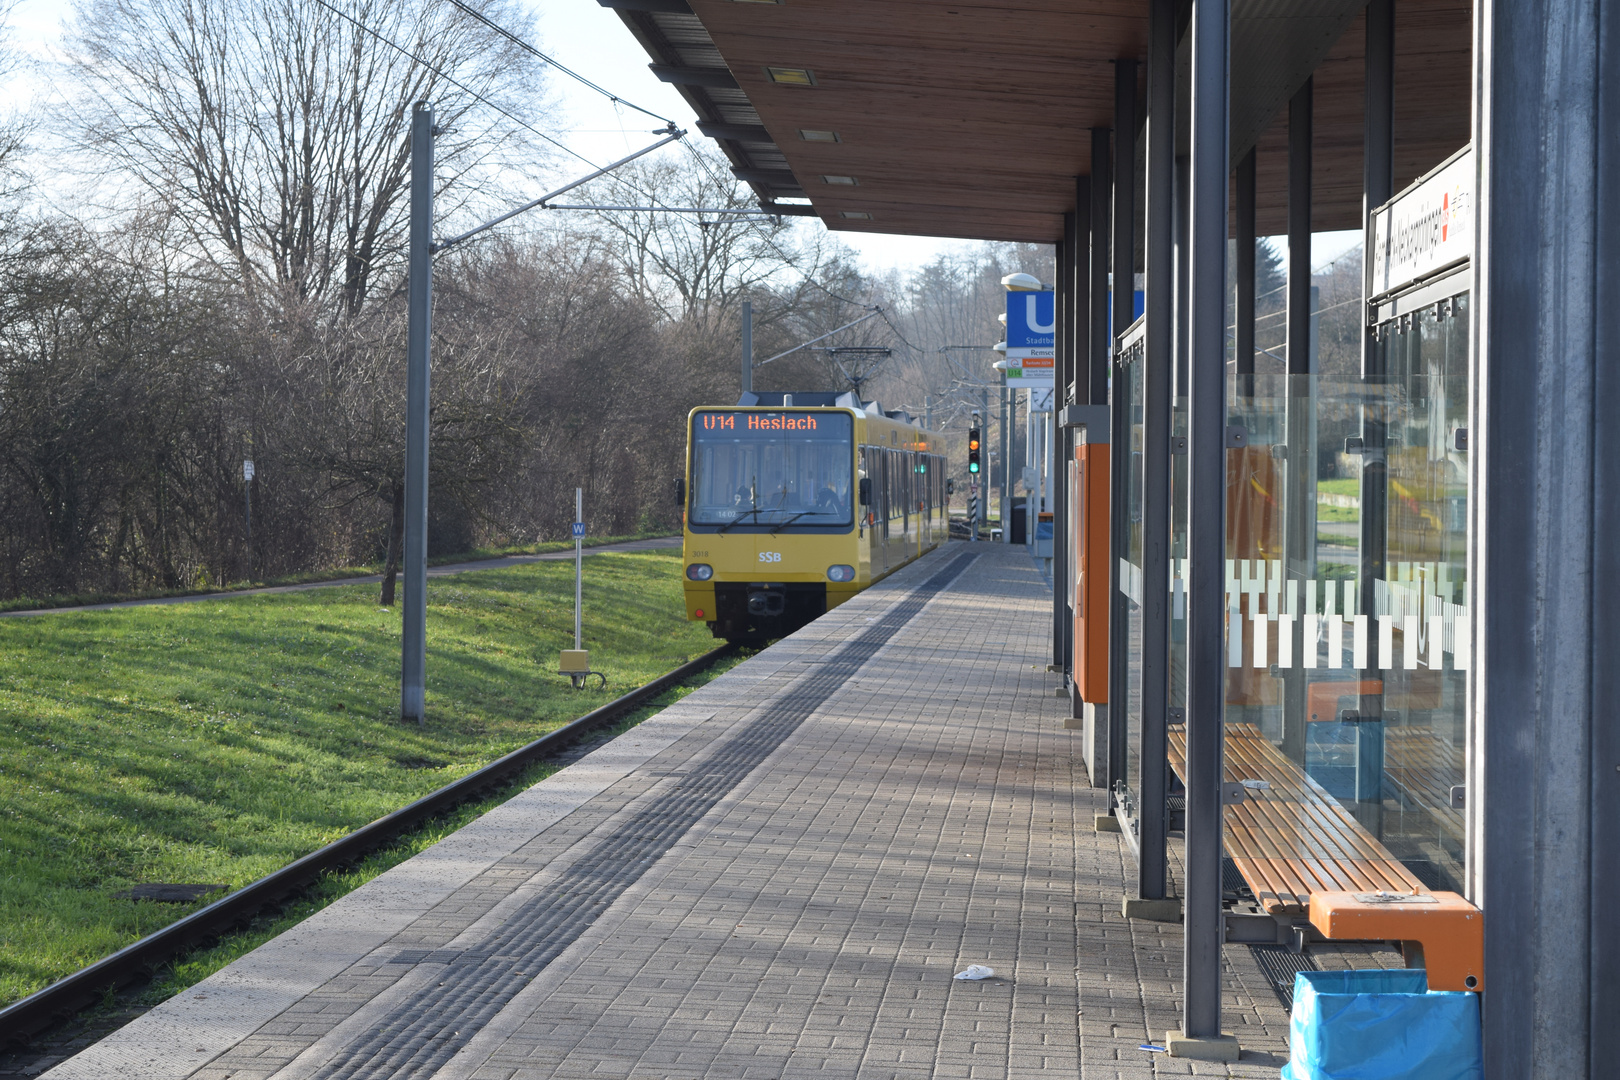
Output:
x=1031 y=321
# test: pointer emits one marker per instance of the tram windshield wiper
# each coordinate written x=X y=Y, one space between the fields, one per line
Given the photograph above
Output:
x=778 y=526
x=733 y=521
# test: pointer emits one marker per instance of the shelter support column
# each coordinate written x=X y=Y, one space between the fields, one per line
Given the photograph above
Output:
x=1062 y=612
x=1158 y=280
x=1373 y=543
x=1299 y=466
x=1544 y=759
x=1091 y=388
x=1244 y=198
x=1122 y=292
x=1203 y=927
x=1065 y=394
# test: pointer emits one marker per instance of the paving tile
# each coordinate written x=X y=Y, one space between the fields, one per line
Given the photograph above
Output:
x=931 y=813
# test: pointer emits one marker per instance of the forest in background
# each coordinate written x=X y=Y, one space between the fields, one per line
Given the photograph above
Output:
x=229 y=287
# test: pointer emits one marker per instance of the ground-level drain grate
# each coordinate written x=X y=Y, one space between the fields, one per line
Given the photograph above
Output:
x=1280 y=964
x=429 y=1026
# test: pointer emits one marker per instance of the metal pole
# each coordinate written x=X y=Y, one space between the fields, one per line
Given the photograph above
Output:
x=1124 y=309
x=1091 y=380
x=984 y=446
x=748 y=346
x=1299 y=229
x=1543 y=795
x=247 y=503
x=579 y=568
x=413 y=661
x=1243 y=317
x=1299 y=503
x=1062 y=382
x=1006 y=462
x=1125 y=125
x=1206 y=667
x=1096 y=386
x=1379 y=186
x=1157 y=374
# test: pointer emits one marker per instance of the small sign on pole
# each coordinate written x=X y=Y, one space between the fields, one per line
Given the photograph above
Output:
x=575 y=662
x=247 y=469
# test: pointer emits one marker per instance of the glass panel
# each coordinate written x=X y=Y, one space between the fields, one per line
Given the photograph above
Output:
x=772 y=469
x=1127 y=382
x=1130 y=569
x=1346 y=584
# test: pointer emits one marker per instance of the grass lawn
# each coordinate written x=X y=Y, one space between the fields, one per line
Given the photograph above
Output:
x=217 y=741
x=1341 y=486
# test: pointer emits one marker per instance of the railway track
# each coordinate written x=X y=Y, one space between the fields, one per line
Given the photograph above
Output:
x=140 y=959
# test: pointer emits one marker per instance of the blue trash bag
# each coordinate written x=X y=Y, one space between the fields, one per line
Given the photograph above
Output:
x=1381 y=1025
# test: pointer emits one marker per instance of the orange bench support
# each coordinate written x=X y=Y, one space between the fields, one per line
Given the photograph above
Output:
x=1322 y=699
x=1445 y=935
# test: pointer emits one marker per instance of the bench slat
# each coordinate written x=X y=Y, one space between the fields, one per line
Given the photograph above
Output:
x=1294 y=838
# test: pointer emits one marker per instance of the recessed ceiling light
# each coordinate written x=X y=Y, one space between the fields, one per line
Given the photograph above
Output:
x=786 y=76
x=855 y=215
x=841 y=181
x=812 y=135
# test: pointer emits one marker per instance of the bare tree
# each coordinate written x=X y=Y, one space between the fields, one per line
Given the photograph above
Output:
x=694 y=267
x=279 y=128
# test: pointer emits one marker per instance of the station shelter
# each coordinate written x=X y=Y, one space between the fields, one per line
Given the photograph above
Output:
x=1356 y=644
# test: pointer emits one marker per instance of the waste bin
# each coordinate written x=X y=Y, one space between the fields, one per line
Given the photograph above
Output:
x=1381 y=1025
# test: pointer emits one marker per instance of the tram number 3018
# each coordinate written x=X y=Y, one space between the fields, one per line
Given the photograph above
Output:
x=770 y=556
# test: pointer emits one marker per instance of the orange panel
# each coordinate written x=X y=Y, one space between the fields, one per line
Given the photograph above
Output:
x=1089 y=529
x=1450 y=930
x=1322 y=699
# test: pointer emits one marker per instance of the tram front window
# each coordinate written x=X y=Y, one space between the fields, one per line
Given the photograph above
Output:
x=780 y=469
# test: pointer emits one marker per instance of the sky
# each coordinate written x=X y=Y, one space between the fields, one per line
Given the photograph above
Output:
x=590 y=39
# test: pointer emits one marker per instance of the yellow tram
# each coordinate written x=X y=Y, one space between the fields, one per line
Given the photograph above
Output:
x=793 y=503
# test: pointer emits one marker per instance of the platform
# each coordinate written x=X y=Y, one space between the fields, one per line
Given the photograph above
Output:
x=775 y=877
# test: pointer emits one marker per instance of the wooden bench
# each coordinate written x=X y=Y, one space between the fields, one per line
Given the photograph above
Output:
x=1422 y=767
x=1292 y=841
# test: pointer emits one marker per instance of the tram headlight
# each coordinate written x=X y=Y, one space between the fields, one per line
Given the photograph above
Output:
x=840 y=572
x=700 y=571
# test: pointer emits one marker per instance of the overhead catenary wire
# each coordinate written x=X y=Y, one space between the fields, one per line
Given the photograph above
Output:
x=871 y=314
x=453 y=81
x=542 y=200
x=524 y=45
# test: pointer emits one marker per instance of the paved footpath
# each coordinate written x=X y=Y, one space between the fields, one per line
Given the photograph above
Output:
x=775 y=877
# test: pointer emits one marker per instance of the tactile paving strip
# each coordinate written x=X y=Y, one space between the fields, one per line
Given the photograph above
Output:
x=426 y=1030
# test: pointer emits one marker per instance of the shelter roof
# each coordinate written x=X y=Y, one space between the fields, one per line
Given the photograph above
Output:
x=971 y=118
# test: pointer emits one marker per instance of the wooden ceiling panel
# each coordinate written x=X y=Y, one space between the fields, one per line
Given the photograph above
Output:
x=1433 y=81
x=971 y=119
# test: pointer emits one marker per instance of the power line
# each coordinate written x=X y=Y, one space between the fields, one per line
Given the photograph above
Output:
x=520 y=43
x=455 y=82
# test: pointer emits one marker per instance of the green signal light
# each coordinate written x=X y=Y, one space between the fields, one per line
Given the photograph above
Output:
x=973 y=466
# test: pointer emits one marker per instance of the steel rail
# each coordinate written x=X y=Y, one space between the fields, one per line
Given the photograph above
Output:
x=139 y=959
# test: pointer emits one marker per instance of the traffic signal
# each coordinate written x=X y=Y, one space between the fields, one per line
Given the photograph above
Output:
x=973 y=450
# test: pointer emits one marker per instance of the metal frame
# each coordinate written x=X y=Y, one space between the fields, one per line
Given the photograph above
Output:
x=1157 y=374
x=418 y=339
x=1299 y=521
x=1546 y=482
x=1062 y=616
x=1243 y=226
x=1123 y=244
x=1203 y=926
